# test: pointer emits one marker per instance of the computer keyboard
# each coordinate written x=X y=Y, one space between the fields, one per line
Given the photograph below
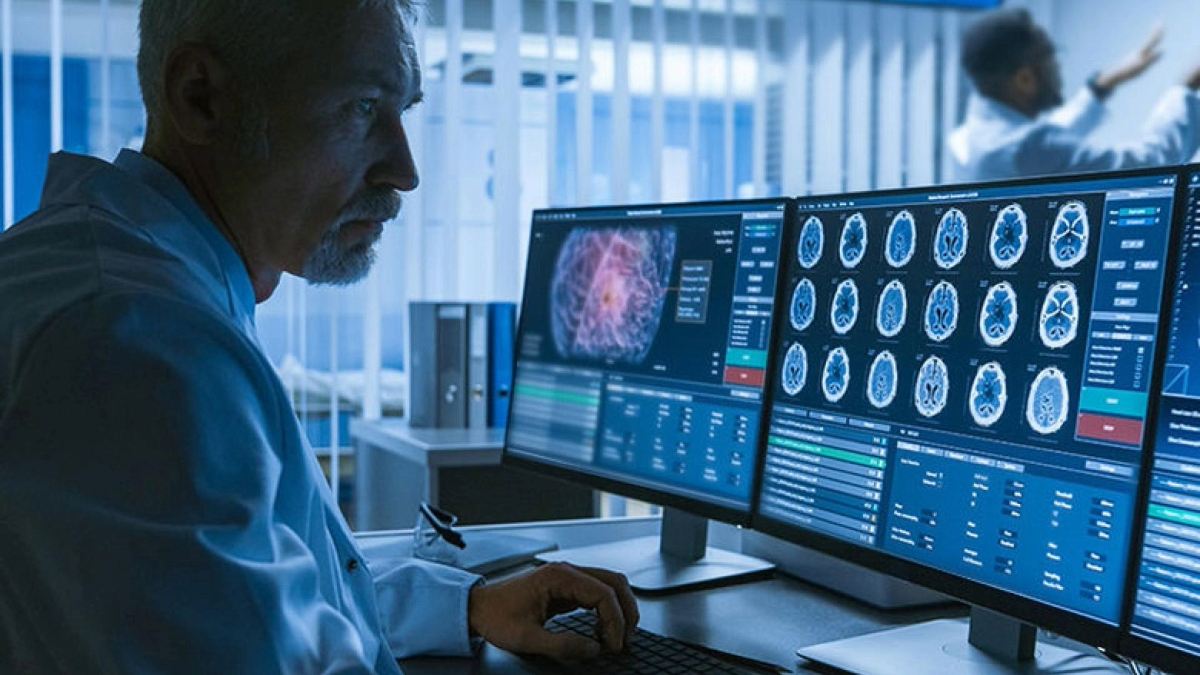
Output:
x=646 y=653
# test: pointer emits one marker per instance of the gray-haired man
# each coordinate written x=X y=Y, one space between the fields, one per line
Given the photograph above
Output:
x=160 y=510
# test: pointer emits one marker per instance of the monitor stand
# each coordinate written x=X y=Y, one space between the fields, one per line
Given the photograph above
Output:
x=994 y=644
x=678 y=559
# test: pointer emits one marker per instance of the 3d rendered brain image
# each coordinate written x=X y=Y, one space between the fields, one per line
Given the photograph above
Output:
x=608 y=291
x=843 y=314
x=795 y=369
x=1058 y=322
x=941 y=312
x=892 y=310
x=901 y=239
x=989 y=394
x=835 y=377
x=1069 y=236
x=811 y=243
x=1010 y=233
x=804 y=305
x=933 y=387
x=1049 y=401
x=882 y=380
x=853 y=245
x=998 y=317
x=950 y=240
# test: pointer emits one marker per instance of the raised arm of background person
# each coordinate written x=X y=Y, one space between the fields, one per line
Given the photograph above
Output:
x=1171 y=136
x=159 y=513
x=1085 y=111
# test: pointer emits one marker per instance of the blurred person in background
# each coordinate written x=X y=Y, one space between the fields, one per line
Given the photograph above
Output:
x=1017 y=123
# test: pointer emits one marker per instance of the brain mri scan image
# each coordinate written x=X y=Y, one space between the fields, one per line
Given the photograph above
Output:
x=950 y=240
x=1059 y=321
x=933 y=384
x=989 y=394
x=998 y=317
x=608 y=291
x=854 y=241
x=882 y=380
x=901 y=239
x=835 y=378
x=1010 y=233
x=1069 y=236
x=812 y=242
x=804 y=305
x=844 y=312
x=892 y=310
x=941 y=312
x=1049 y=401
x=795 y=369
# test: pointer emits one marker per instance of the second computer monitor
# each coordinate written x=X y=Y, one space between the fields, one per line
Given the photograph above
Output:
x=641 y=364
x=642 y=352
x=962 y=386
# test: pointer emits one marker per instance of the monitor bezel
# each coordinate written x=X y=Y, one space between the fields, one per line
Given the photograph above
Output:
x=1135 y=646
x=1065 y=622
x=661 y=497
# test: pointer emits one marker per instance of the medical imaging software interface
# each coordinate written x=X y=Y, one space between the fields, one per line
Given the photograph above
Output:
x=1167 y=608
x=964 y=379
x=643 y=349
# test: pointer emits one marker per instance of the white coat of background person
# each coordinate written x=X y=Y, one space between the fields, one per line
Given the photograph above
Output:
x=1018 y=125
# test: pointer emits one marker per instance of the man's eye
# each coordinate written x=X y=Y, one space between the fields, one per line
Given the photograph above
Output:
x=366 y=106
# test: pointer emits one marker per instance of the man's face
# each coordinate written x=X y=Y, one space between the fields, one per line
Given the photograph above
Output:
x=337 y=156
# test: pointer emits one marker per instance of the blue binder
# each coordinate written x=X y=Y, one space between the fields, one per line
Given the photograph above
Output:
x=502 y=331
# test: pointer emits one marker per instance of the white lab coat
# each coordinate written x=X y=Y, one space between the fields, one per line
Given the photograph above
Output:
x=160 y=508
x=996 y=142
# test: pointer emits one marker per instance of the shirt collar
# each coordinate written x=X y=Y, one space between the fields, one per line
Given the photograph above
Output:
x=168 y=185
x=987 y=109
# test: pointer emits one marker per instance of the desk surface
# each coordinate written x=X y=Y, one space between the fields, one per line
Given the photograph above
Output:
x=441 y=447
x=766 y=620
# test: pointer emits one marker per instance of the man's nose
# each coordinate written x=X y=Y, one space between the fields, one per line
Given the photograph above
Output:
x=397 y=168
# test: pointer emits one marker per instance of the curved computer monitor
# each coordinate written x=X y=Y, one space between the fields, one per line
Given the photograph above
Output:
x=1164 y=627
x=641 y=363
x=961 y=392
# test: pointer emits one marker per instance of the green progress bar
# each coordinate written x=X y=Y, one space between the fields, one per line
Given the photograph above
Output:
x=1176 y=515
x=558 y=396
x=831 y=453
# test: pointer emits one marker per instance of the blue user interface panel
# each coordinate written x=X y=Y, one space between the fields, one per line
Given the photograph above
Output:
x=1167 y=608
x=964 y=378
x=642 y=356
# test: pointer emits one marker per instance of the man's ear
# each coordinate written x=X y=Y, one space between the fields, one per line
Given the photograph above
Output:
x=199 y=94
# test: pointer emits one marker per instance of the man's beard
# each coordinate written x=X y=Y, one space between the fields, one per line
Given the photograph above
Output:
x=1049 y=99
x=339 y=265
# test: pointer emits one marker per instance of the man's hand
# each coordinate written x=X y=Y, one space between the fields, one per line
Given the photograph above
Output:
x=1133 y=65
x=511 y=614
